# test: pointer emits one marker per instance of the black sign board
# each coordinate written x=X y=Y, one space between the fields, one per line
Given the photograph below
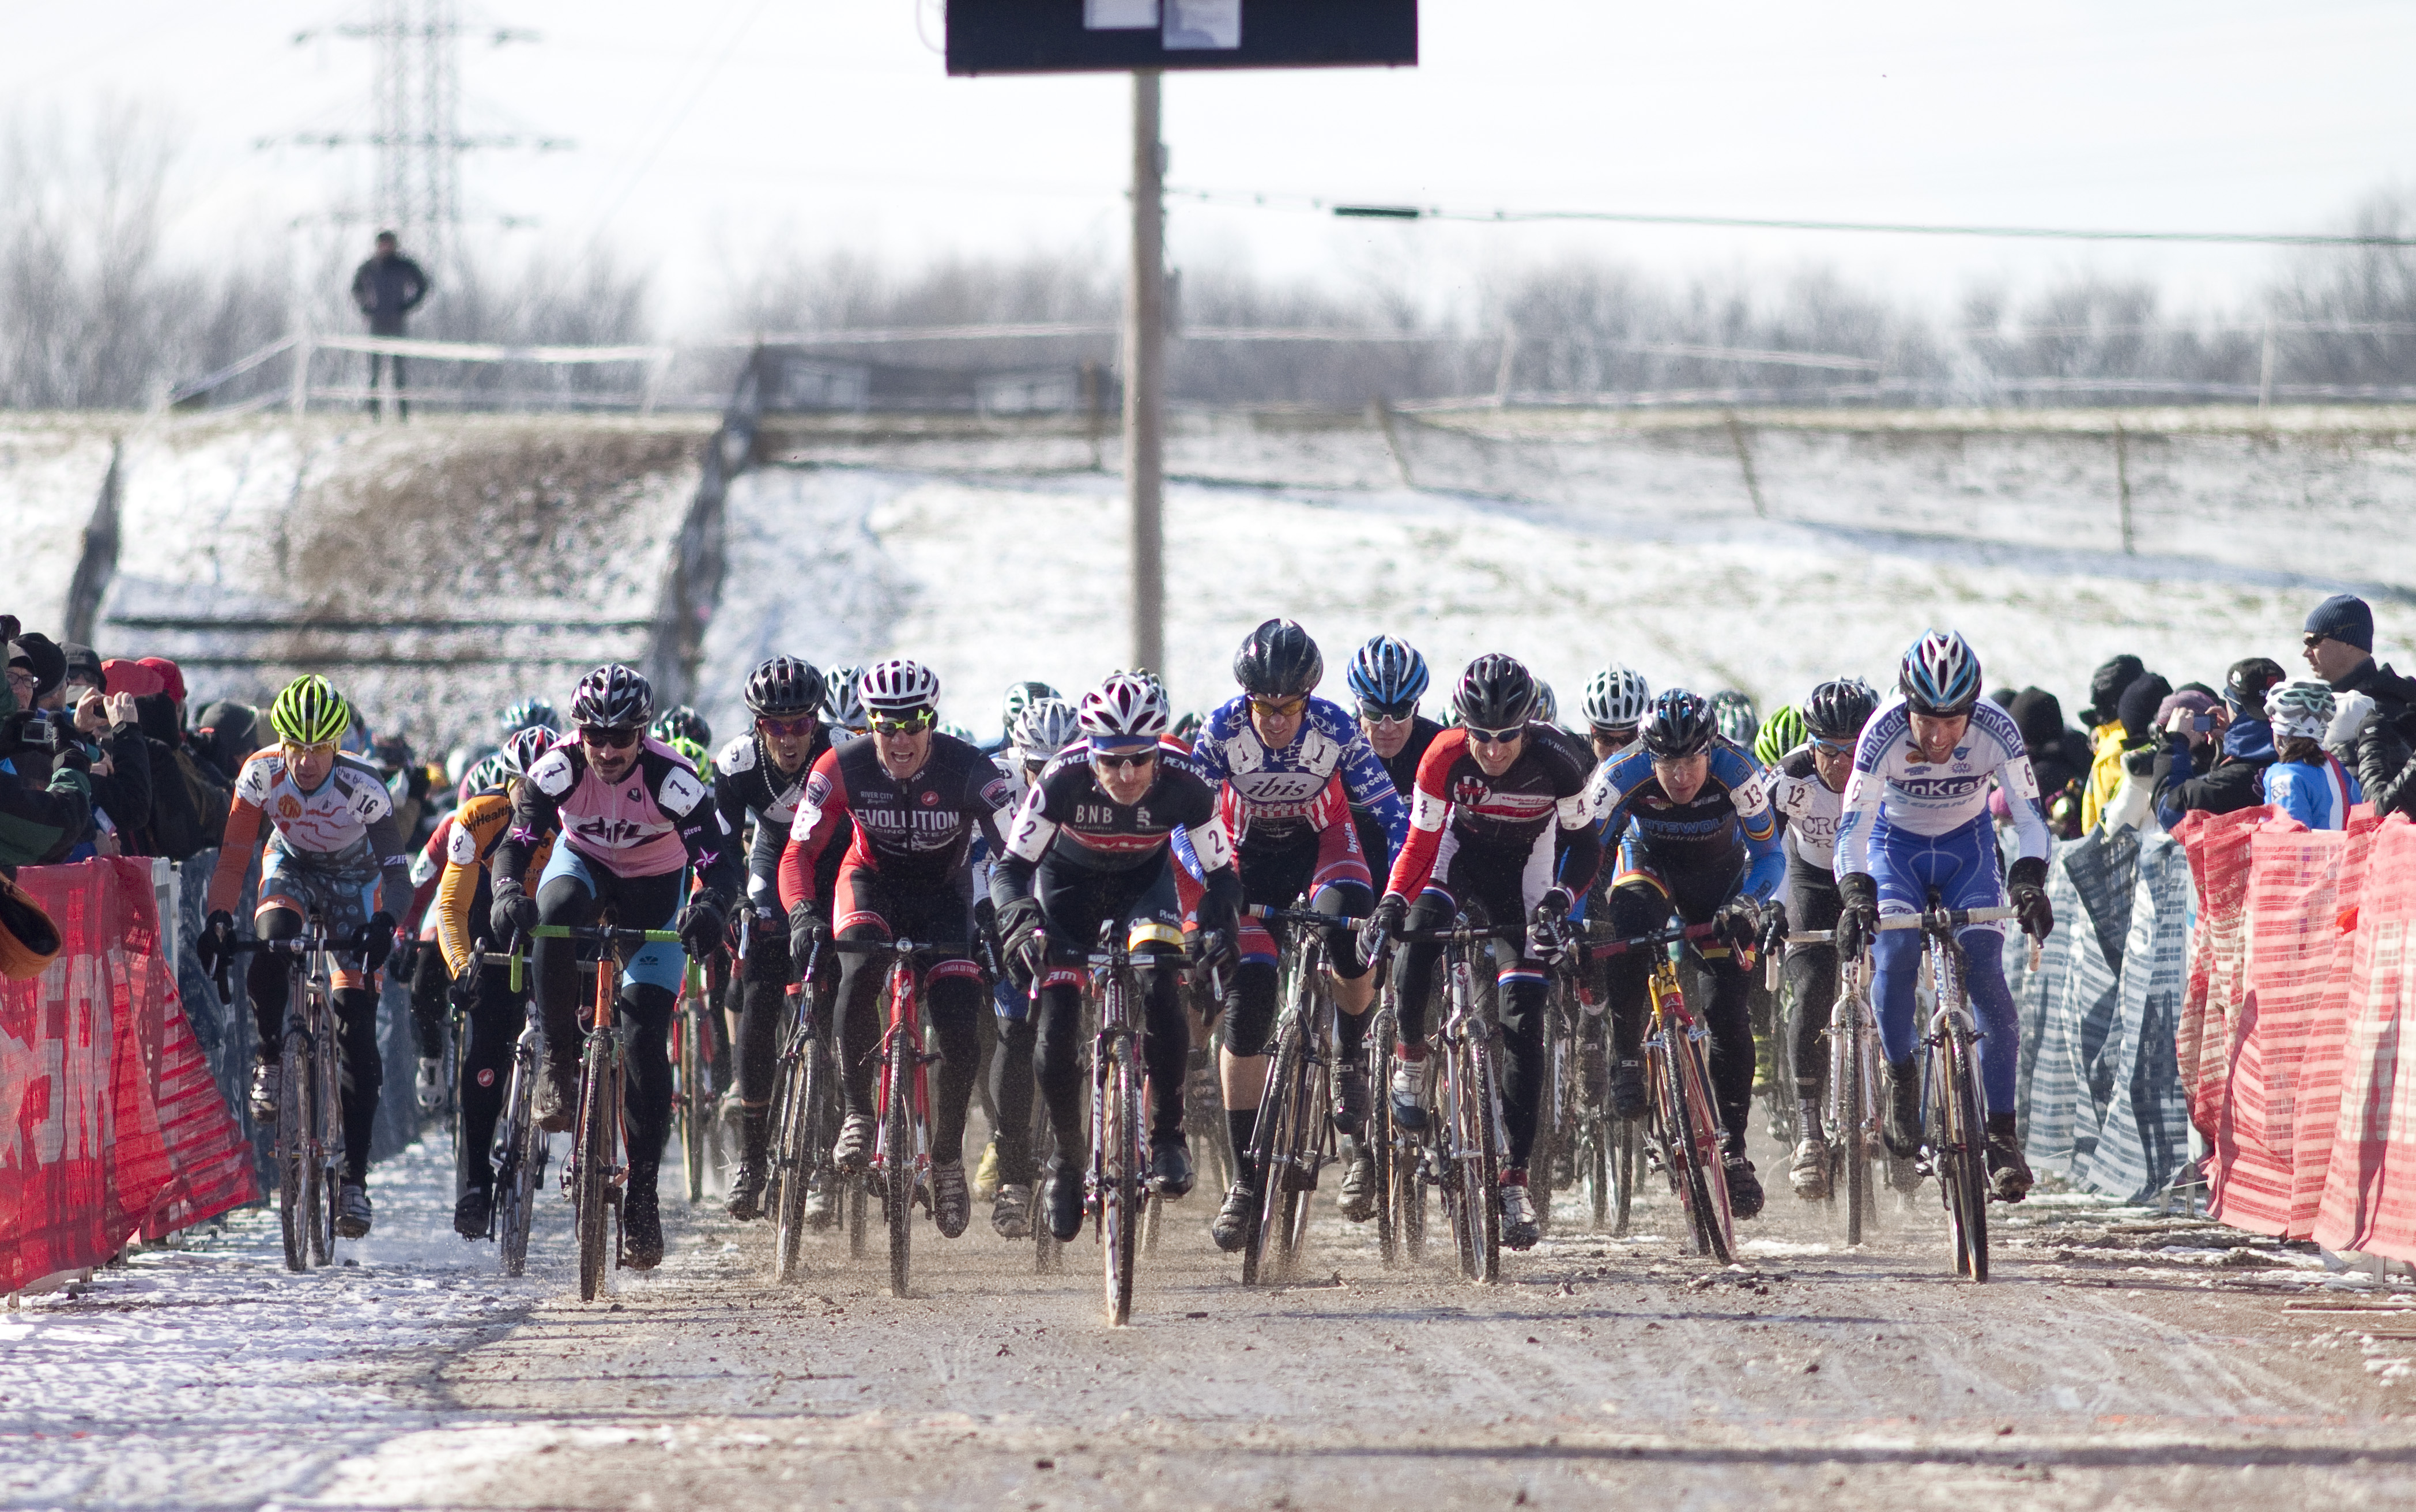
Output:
x=1118 y=36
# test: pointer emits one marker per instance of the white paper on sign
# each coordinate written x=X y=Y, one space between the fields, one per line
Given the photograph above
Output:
x=1201 y=26
x=1118 y=15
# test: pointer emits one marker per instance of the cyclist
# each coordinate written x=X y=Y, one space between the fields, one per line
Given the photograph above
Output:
x=491 y=1012
x=1733 y=712
x=1278 y=750
x=634 y=819
x=1387 y=677
x=1019 y=696
x=760 y=777
x=1093 y=843
x=1806 y=787
x=847 y=715
x=1616 y=701
x=333 y=848
x=915 y=798
x=1501 y=825
x=1915 y=820
x=530 y=713
x=1688 y=808
x=674 y=725
x=1783 y=732
x=1045 y=728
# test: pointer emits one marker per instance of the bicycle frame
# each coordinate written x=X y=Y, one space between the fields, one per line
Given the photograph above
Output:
x=1685 y=1131
x=1114 y=1181
x=1294 y=1138
x=1467 y=1140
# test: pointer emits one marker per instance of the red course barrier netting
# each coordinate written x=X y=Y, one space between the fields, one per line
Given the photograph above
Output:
x=110 y=1124
x=2217 y=847
x=2369 y=1200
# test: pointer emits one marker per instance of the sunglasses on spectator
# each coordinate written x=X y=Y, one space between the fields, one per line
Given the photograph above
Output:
x=1123 y=761
x=787 y=729
x=904 y=724
x=2313 y=639
x=1401 y=713
x=1282 y=708
x=1496 y=738
x=605 y=738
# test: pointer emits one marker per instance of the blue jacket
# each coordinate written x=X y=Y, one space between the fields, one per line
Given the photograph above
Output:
x=1728 y=825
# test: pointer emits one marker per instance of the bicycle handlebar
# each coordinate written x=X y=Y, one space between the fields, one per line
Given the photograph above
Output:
x=223 y=979
x=919 y=947
x=1301 y=915
x=1669 y=934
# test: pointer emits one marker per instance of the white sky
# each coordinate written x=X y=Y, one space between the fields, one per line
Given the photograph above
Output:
x=743 y=124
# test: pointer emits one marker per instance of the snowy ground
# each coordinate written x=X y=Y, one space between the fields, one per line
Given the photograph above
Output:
x=996 y=579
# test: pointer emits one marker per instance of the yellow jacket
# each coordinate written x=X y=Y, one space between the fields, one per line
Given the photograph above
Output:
x=478 y=825
x=2104 y=773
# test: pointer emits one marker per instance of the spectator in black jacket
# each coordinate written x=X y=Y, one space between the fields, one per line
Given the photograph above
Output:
x=39 y=822
x=2059 y=755
x=2222 y=768
x=389 y=287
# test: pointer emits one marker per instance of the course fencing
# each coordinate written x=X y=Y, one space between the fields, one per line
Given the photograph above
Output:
x=110 y=1127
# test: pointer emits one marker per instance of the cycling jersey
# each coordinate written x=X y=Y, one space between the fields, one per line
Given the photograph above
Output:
x=1726 y=821
x=1807 y=805
x=1278 y=790
x=471 y=833
x=745 y=781
x=1538 y=801
x=919 y=829
x=656 y=819
x=1069 y=817
x=344 y=827
x=1893 y=789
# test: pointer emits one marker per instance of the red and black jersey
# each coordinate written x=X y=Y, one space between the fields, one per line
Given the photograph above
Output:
x=1506 y=815
x=920 y=829
x=1068 y=816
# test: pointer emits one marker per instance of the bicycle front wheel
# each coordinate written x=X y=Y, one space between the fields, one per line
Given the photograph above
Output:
x=1118 y=1161
x=1484 y=1203
x=897 y=1165
x=521 y=1169
x=326 y=1133
x=1694 y=1140
x=1849 y=1093
x=793 y=1164
x=693 y=1103
x=1271 y=1145
x=1960 y=1156
x=298 y=1181
x=591 y=1166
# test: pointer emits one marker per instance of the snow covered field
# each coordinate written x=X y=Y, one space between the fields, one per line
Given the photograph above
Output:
x=992 y=579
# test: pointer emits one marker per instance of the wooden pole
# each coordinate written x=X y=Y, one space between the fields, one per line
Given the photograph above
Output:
x=1144 y=354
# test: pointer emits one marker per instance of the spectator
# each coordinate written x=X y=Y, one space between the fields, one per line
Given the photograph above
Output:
x=83 y=674
x=2133 y=747
x=38 y=823
x=2374 y=726
x=2059 y=754
x=2306 y=781
x=225 y=738
x=2106 y=686
x=387 y=287
x=2220 y=768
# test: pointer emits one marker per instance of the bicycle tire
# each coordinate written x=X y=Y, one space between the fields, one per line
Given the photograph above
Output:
x=1120 y=1185
x=898 y=1167
x=327 y=1130
x=691 y=1104
x=793 y=1162
x=1847 y=1066
x=1306 y=1124
x=1381 y=1150
x=594 y=1154
x=522 y=1169
x=1957 y=1154
x=1550 y=1107
x=1490 y=1158
x=297 y=1184
x=1706 y=1171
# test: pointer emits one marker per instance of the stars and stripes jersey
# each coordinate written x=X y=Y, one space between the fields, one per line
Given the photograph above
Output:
x=918 y=828
x=1281 y=791
x=1893 y=788
x=1807 y=807
x=747 y=783
x=1544 y=788
x=1727 y=821
x=347 y=823
x=1068 y=816
x=656 y=818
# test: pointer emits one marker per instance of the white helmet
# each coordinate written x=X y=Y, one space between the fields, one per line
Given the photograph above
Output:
x=1128 y=709
x=899 y=687
x=1046 y=727
x=1617 y=698
x=2302 y=709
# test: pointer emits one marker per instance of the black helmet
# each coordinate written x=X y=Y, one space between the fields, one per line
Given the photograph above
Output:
x=682 y=723
x=1838 y=709
x=1496 y=692
x=784 y=688
x=1278 y=660
x=1680 y=724
x=613 y=697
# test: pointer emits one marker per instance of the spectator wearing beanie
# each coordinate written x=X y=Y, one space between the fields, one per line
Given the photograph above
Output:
x=2059 y=755
x=2221 y=770
x=2191 y=718
x=2131 y=804
x=39 y=823
x=2338 y=646
x=2306 y=781
x=2107 y=686
x=2132 y=730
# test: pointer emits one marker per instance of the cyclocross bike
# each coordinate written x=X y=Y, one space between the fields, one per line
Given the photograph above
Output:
x=1466 y=1145
x=1682 y=1135
x=805 y=1123
x=1602 y=1150
x=1849 y=1111
x=900 y=1170
x=695 y=1102
x=521 y=1149
x=310 y=1151
x=1295 y=1137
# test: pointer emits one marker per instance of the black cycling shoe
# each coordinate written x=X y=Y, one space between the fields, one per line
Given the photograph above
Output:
x=1358 y=1183
x=353 y=1211
x=1350 y=1098
x=1061 y=1198
x=1745 y=1186
x=557 y=1096
x=641 y=1227
x=1231 y=1226
x=1627 y=1090
x=1594 y=1069
x=1901 y=1129
x=1170 y=1167
x=473 y=1215
x=2009 y=1174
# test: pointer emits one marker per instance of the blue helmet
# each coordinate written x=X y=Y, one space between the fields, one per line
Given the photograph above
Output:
x=1940 y=675
x=1387 y=670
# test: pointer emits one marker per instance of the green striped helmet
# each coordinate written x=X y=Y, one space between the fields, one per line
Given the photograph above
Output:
x=310 y=712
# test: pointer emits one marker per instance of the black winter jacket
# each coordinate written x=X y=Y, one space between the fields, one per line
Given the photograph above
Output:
x=386 y=289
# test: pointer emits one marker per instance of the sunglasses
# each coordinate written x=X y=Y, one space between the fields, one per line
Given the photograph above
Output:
x=2313 y=639
x=1496 y=738
x=1282 y=708
x=604 y=738
x=1618 y=734
x=909 y=724
x=1401 y=713
x=1129 y=761
x=787 y=729
x=317 y=747
x=1834 y=748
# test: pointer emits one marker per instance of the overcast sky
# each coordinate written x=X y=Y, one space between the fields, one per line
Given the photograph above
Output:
x=709 y=132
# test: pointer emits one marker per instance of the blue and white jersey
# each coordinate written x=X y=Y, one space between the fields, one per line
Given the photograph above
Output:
x=1892 y=788
x=1726 y=824
x=1277 y=790
x=2318 y=794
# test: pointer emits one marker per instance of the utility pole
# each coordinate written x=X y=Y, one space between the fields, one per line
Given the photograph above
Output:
x=1144 y=361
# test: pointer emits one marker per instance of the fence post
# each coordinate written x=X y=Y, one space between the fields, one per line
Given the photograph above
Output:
x=2265 y=371
x=1502 y=371
x=2123 y=485
x=1744 y=462
x=302 y=370
x=1381 y=411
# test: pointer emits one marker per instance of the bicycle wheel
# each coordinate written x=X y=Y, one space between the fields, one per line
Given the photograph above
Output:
x=1957 y=1152
x=298 y=1181
x=1119 y=1166
x=1485 y=1199
x=1551 y=1104
x=591 y=1165
x=1381 y=1150
x=1626 y=1162
x=1048 y=1254
x=327 y=1130
x=692 y=1106
x=1271 y=1149
x=897 y=1163
x=1848 y=1072
x=521 y=1170
x=1693 y=1149
x=793 y=1164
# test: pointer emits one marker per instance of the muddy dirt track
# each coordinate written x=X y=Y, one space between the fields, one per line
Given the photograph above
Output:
x=2119 y=1358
